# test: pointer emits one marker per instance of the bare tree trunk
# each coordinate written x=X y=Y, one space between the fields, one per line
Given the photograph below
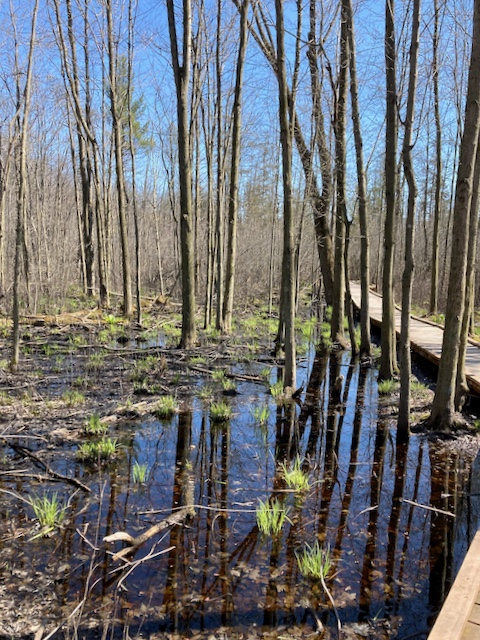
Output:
x=24 y=99
x=338 y=307
x=443 y=408
x=321 y=200
x=119 y=168
x=220 y=190
x=365 y=346
x=462 y=386
x=133 y=163
x=85 y=130
x=288 y=272
x=181 y=72
x=388 y=340
x=403 y=422
x=438 y=174
x=234 y=171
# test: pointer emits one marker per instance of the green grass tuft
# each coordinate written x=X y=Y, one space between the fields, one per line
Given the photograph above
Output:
x=295 y=478
x=260 y=415
x=166 y=407
x=220 y=411
x=386 y=387
x=100 y=450
x=48 y=510
x=94 y=427
x=271 y=517
x=140 y=472
x=314 y=562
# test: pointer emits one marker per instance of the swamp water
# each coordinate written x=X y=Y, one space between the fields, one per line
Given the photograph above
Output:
x=397 y=522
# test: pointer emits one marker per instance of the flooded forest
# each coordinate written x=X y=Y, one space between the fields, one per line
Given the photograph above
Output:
x=203 y=435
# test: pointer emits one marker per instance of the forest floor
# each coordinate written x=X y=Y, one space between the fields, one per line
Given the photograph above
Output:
x=84 y=364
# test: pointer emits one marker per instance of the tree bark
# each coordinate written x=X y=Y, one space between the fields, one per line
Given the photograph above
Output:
x=181 y=72
x=119 y=168
x=388 y=358
x=234 y=171
x=365 y=345
x=403 y=422
x=338 y=307
x=438 y=165
x=24 y=99
x=443 y=409
x=288 y=272
x=462 y=386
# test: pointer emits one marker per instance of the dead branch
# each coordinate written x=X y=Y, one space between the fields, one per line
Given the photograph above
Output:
x=135 y=543
x=59 y=476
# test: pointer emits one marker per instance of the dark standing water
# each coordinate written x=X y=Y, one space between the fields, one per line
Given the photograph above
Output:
x=392 y=560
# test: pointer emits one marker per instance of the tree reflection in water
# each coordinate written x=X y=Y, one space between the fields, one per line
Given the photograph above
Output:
x=392 y=561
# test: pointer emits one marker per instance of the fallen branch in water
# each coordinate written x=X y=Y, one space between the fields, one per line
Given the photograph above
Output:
x=135 y=543
x=424 y=506
x=58 y=476
x=171 y=520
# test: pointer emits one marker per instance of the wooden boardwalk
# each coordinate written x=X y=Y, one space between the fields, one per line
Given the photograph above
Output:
x=459 y=618
x=426 y=337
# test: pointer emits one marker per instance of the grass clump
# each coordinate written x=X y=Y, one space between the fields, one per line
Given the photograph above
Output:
x=261 y=415
x=276 y=389
x=94 y=427
x=228 y=385
x=294 y=476
x=139 y=472
x=314 y=562
x=220 y=412
x=418 y=389
x=386 y=387
x=205 y=393
x=73 y=398
x=48 y=510
x=271 y=517
x=104 y=449
x=166 y=407
x=5 y=399
x=95 y=362
x=218 y=375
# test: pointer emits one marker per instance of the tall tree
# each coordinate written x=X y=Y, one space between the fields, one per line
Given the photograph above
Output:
x=181 y=73
x=443 y=408
x=438 y=164
x=338 y=307
x=288 y=271
x=220 y=190
x=116 y=113
x=388 y=340
x=89 y=152
x=23 y=114
x=320 y=198
x=462 y=385
x=365 y=345
x=407 y=280
x=234 y=171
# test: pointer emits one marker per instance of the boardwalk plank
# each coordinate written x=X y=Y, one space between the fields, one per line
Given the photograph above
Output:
x=475 y=614
x=451 y=623
x=426 y=337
